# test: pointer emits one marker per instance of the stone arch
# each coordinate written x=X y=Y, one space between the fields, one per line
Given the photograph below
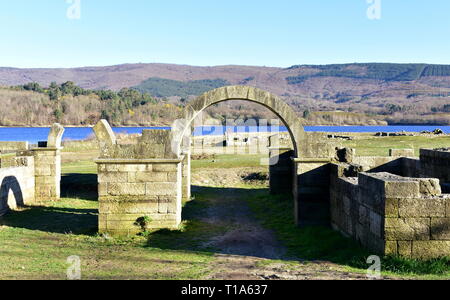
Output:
x=280 y=108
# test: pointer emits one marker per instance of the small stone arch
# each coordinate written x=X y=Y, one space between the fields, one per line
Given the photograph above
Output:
x=280 y=108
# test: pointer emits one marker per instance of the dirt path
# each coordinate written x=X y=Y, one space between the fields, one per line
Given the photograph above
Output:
x=248 y=251
x=246 y=237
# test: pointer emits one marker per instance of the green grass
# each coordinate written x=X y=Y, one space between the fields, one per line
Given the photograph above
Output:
x=380 y=146
x=79 y=167
x=229 y=161
x=193 y=232
x=36 y=241
x=321 y=243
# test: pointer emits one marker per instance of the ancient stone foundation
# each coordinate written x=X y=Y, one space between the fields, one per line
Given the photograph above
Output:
x=32 y=176
x=391 y=205
x=389 y=213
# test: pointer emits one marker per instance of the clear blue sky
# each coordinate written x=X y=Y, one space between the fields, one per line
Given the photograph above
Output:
x=212 y=32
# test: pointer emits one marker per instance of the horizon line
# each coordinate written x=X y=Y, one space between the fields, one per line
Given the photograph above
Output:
x=220 y=65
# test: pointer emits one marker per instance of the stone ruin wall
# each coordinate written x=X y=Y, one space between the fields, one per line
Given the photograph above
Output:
x=142 y=180
x=31 y=176
x=17 y=184
x=405 y=214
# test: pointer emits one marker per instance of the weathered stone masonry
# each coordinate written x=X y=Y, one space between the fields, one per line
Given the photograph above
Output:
x=375 y=200
x=136 y=181
x=32 y=176
x=392 y=214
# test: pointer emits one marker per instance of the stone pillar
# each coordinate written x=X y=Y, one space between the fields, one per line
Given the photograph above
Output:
x=281 y=170
x=138 y=182
x=186 y=171
x=130 y=189
x=47 y=163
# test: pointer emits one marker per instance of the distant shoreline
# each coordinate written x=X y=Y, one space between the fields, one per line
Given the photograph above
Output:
x=163 y=126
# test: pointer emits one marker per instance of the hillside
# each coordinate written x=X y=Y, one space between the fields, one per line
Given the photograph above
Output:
x=394 y=93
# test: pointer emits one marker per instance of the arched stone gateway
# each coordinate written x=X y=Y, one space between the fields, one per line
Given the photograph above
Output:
x=150 y=178
x=247 y=93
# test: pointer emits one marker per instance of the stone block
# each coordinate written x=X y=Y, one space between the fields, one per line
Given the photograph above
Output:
x=151 y=177
x=405 y=248
x=402 y=153
x=135 y=168
x=422 y=207
x=407 y=229
x=345 y=155
x=430 y=249
x=163 y=208
x=174 y=176
x=161 y=189
x=391 y=208
x=430 y=187
x=391 y=248
x=402 y=189
x=136 y=208
x=174 y=207
x=46 y=180
x=165 y=167
x=103 y=189
x=440 y=229
x=120 y=189
x=113 y=177
x=113 y=167
x=43 y=170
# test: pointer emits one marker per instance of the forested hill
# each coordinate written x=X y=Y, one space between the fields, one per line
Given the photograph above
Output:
x=167 y=80
x=367 y=93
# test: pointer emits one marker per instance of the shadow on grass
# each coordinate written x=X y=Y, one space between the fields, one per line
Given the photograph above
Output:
x=274 y=213
x=54 y=219
x=79 y=186
x=311 y=243
x=194 y=232
x=61 y=219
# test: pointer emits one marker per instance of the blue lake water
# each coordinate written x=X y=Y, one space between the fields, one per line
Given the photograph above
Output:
x=33 y=135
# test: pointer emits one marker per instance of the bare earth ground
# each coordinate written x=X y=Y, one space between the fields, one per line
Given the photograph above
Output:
x=248 y=251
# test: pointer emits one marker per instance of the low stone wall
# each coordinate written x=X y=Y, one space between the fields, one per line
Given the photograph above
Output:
x=390 y=214
x=17 y=185
x=411 y=167
x=390 y=164
x=13 y=146
x=357 y=209
x=436 y=164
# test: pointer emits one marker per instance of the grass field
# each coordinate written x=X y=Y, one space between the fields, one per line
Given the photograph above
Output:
x=375 y=146
x=36 y=241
